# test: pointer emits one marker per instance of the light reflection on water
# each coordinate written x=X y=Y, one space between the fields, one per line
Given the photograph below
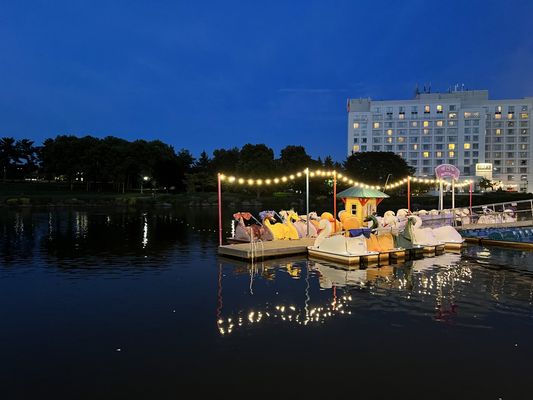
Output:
x=113 y=272
x=437 y=288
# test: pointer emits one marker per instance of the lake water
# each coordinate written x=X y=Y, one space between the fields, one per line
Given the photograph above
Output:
x=130 y=304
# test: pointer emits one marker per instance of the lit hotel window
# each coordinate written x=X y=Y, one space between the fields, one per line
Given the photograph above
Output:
x=524 y=115
x=426 y=154
x=426 y=109
x=426 y=123
x=355 y=147
x=498 y=109
x=451 y=154
x=389 y=132
x=426 y=131
x=389 y=140
x=415 y=147
x=497 y=116
x=467 y=146
x=439 y=123
x=510 y=115
x=498 y=131
x=439 y=153
x=452 y=115
x=401 y=116
x=356 y=125
x=439 y=109
x=414 y=124
x=376 y=125
x=451 y=146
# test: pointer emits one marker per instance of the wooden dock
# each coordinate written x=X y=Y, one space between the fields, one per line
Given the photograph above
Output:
x=269 y=249
x=287 y=248
x=500 y=243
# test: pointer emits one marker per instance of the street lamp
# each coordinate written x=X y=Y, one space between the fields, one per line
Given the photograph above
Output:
x=386 y=181
x=144 y=179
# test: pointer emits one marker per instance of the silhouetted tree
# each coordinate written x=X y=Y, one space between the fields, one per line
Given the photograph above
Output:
x=256 y=160
x=294 y=158
x=226 y=161
x=373 y=167
x=8 y=156
x=202 y=177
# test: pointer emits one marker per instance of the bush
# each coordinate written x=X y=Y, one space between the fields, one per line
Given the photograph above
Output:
x=18 y=201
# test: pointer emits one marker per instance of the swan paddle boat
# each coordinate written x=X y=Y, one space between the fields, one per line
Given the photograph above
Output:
x=340 y=247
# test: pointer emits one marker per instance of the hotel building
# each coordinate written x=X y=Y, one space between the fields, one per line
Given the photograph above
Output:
x=463 y=128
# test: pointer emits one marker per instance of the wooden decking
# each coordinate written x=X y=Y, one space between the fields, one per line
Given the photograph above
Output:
x=287 y=248
x=270 y=249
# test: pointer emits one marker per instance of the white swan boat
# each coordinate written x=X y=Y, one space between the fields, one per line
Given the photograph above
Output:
x=424 y=237
x=347 y=250
x=453 y=241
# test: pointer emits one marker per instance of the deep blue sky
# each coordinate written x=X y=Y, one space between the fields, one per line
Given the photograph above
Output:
x=222 y=74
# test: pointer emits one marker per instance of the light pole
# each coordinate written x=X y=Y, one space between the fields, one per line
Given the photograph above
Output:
x=386 y=181
x=144 y=179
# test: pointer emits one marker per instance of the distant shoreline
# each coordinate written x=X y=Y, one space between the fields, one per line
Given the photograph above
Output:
x=35 y=195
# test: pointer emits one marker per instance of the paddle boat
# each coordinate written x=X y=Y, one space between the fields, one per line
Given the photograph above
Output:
x=340 y=247
x=382 y=239
x=247 y=231
x=299 y=223
x=423 y=237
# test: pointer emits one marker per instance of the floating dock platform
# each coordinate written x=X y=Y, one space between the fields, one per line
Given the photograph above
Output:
x=369 y=259
x=500 y=243
x=268 y=249
x=286 y=248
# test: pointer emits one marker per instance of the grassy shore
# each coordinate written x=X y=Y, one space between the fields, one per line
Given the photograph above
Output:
x=51 y=194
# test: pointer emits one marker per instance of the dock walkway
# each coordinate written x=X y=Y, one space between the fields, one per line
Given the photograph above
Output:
x=269 y=249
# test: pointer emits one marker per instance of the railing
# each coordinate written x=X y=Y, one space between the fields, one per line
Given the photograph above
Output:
x=515 y=213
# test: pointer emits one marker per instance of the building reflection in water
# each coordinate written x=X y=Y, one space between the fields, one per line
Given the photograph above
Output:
x=81 y=224
x=436 y=277
x=19 y=224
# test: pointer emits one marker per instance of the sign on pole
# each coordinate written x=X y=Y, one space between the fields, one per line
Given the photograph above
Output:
x=447 y=171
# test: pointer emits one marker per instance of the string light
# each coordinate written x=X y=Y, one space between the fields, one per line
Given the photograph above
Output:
x=340 y=178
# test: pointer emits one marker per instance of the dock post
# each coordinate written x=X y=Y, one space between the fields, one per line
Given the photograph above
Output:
x=453 y=193
x=307 y=198
x=219 y=211
x=470 y=196
x=441 y=196
x=335 y=201
x=409 y=193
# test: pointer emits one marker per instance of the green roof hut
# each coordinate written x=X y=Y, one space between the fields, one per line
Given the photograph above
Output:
x=361 y=202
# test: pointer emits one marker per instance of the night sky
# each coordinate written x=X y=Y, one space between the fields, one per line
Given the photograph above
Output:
x=205 y=75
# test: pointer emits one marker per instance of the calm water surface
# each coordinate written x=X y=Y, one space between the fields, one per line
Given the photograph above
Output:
x=131 y=304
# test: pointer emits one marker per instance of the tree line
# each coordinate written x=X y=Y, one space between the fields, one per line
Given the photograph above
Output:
x=111 y=162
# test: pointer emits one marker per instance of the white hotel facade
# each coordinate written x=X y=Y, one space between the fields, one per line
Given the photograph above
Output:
x=463 y=128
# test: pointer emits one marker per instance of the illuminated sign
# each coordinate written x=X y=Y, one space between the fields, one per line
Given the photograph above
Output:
x=484 y=167
x=447 y=171
x=484 y=170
